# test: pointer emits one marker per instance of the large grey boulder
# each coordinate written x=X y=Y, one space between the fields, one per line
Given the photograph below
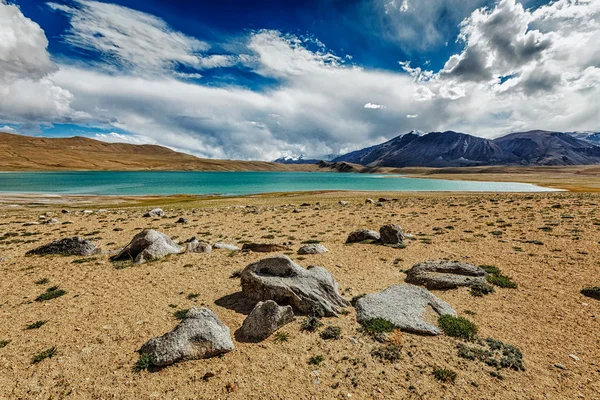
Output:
x=404 y=306
x=266 y=318
x=391 y=234
x=74 y=246
x=201 y=334
x=361 y=235
x=442 y=274
x=280 y=279
x=155 y=212
x=264 y=247
x=313 y=248
x=148 y=245
x=226 y=246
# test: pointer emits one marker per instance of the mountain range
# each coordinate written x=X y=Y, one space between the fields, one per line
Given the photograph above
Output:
x=455 y=149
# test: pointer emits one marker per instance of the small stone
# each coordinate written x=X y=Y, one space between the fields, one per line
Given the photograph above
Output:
x=560 y=366
x=264 y=247
x=182 y=220
x=313 y=248
x=369 y=201
x=574 y=357
x=266 y=318
x=361 y=235
x=148 y=245
x=391 y=234
x=155 y=212
x=226 y=246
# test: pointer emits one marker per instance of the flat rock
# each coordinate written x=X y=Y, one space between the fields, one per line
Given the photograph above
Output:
x=264 y=247
x=226 y=246
x=195 y=246
x=280 y=279
x=201 y=334
x=148 y=245
x=266 y=318
x=360 y=235
x=404 y=306
x=313 y=248
x=155 y=212
x=391 y=234
x=74 y=246
x=442 y=274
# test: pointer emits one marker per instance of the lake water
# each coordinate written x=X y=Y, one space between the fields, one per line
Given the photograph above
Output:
x=232 y=183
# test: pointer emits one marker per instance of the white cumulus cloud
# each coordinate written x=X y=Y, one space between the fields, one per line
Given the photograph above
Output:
x=374 y=106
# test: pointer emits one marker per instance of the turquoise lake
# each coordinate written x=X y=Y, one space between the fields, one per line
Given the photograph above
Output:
x=232 y=183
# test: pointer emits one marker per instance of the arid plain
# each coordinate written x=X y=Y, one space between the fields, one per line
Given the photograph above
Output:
x=547 y=243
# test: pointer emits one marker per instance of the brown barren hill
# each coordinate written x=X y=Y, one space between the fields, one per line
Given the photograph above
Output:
x=26 y=153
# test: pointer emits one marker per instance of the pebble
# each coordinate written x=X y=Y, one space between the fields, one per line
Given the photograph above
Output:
x=574 y=357
x=560 y=366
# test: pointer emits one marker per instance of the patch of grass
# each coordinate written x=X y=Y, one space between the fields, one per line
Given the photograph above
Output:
x=42 y=355
x=315 y=360
x=42 y=281
x=331 y=332
x=268 y=237
x=459 y=327
x=181 y=314
x=143 y=363
x=35 y=325
x=281 y=337
x=83 y=260
x=311 y=323
x=388 y=352
x=444 y=375
x=4 y=343
x=481 y=290
x=311 y=241
x=496 y=278
x=593 y=292
x=51 y=293
x=377 y=325
x=193 y=296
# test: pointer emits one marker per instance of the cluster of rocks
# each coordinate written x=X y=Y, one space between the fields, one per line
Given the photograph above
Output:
x=390 y=234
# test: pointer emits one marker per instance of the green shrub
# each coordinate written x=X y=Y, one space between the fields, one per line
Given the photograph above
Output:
x=311 y=241
x=315 y=360
x=459 y=327
x=4 y=343
x=35 y=325
x=42 y=281
x=181 y=314
x=331 y=332
x=42 y=355
x=481 y=290
x=495 y=277
x=377 y=325
x=281 y=337
x=444 y=375
x=311 y=323
x=388 y=352
x=143 y=363
x=593 y=292
x=51 y=293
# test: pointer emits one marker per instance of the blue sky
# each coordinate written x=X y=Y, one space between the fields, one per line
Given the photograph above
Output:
x=259 y=80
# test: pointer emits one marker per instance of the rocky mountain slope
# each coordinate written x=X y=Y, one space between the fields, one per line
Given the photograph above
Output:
x=455 y=149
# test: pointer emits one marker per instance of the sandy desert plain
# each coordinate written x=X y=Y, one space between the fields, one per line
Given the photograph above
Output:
x=547 y=243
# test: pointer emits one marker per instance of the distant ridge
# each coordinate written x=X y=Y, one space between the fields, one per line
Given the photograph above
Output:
x=27 y=153
x=455 y=149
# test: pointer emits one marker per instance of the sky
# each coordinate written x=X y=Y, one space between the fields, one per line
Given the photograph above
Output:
x=258 y=80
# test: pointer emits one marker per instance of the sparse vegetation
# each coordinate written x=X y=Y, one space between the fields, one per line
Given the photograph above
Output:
x=35 y=325
x=331 y=332
x=496 y=278
x=4 y=343
x=315 y=360
x=181 y=314
x=389 y=352
x=444 y=375
x=459 y=327
x=481 y=290
x=51 y=293
x=143 y=363
x=42 y=281
x=281 y=337
x=42 y=355
x=311 y=323
x=377 y=325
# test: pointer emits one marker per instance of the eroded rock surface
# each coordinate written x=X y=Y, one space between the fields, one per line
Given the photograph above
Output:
x=443 y=274
x=266 y=318
x=360 y=235
x=404 y=306
x=148 y=245
x=74 y=246
x=282 y=280
x=391 y=234
x=201 y=334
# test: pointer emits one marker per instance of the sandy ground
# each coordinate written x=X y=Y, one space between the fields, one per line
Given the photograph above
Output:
x=108 y=313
